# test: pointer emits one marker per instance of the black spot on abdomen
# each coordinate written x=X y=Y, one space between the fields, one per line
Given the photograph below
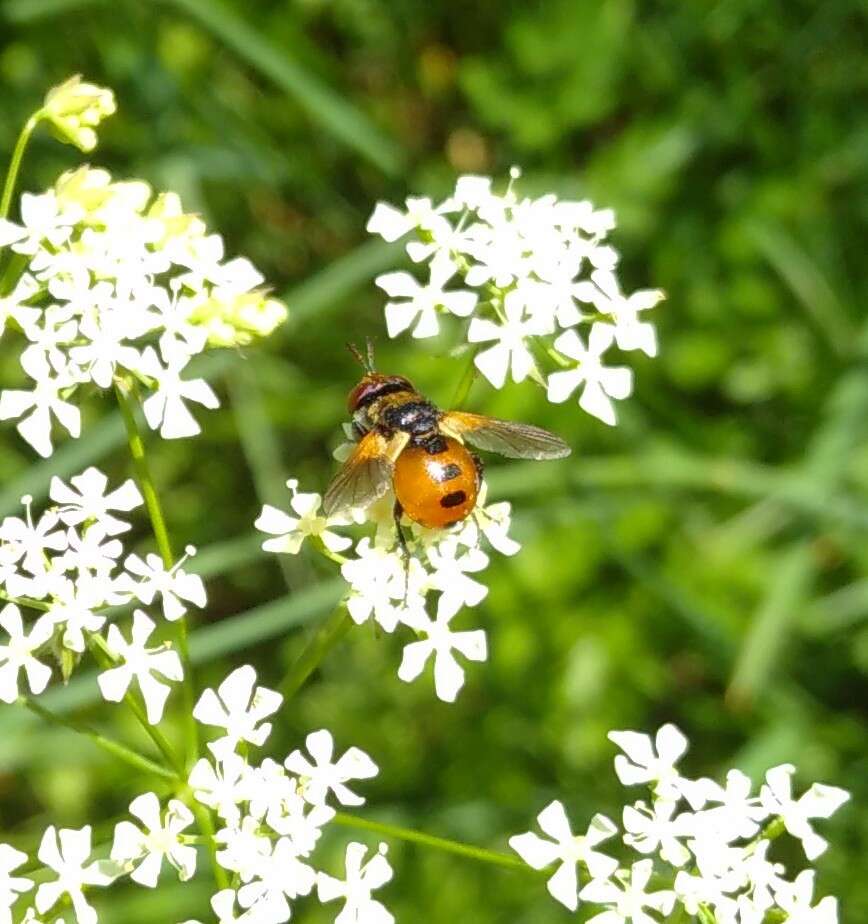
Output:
x=453 y=499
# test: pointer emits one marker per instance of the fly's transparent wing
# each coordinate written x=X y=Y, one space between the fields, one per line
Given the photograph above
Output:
x=366 y=475
x=505 y=437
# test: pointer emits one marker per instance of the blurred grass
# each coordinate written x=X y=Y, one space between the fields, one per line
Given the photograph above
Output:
x=713 y=542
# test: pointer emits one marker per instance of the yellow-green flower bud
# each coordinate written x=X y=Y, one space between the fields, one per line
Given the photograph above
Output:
x=93 y=191
x=75 y=108
x=233 y=319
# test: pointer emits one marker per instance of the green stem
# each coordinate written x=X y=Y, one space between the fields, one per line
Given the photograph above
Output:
x=330 y=631
x=25 y=602
x=207 y=836
x=438 y=843
x=15 y=163
x=465 y=383
x=133 y=758
x=164 y=546
x=104 y=658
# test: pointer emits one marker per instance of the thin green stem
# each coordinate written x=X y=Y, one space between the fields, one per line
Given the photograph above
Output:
x=15 y=163
x=207 y=836
x=465 y=383
x=26 y=602
x=133 y=758
x=104 y=658
x=330 y=631
x=438 y=843
x=164 y=545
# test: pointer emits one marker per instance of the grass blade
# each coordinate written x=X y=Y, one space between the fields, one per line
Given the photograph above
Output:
x=324 y=106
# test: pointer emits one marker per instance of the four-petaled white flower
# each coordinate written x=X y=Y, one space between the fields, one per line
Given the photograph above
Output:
x=569 y=849
x=361 y=879
x=421 y=302
x=601 y=383
x=142 y=850
x=239 y=706
x=66 y=852
x=629 y=332
x=628 y=899
x=280 y=876
x=291 y=531
x=440 y=641
x=88 y=500
x=146 y=665
x=324 y=775
x=16 y=654
x=820 y=801
x=222 y=786
x=650 y=763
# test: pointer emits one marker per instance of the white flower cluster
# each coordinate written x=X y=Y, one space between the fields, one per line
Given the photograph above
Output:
x=708 y=844
x=120 y=284
x=526 y=273
x=393 y=588
x=68 y=566
x=273 y=814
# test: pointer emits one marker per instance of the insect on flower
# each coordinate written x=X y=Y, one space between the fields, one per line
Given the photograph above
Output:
x=408 y=444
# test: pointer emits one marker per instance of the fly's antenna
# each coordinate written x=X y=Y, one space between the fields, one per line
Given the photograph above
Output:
x=366 y=362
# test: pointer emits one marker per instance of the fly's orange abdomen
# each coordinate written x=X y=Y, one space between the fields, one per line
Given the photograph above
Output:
x=436 y=484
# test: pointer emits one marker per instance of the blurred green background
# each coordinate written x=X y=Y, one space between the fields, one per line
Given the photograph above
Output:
x=703 y=563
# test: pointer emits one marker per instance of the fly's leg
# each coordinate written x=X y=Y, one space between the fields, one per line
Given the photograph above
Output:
x=397 y=513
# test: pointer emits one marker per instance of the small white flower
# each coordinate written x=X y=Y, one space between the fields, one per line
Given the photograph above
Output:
x=291 y=531
x=422 y=301
x=44 y=401
x=737 y=814
x=628 y=899
x=75 y=108
x=11 y=887
x=165 y=409
x=820 y=801
x=361 y=879
x=66 y=852
x=222 y=787
x=239 y=706
x=377 y=578
x=87 y=500
x=493 y=521
x=451 y=576
x=42 y=221
x=281 y=877
x=146 y=665
x=324 y=775
x=569 y=849
x=143 y=850
x=390 y=223
x=440 y=641
x=650 y=763
x=33 y=542
x=17 y=654
x=654 y=830
x=243 y=847
x=601 y=383
x=172 y=584
x=623 y=313
x=796 y=899
x=510 y=353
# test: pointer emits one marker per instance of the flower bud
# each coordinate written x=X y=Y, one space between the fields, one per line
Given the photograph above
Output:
x=75 y=108
x=236 y=319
